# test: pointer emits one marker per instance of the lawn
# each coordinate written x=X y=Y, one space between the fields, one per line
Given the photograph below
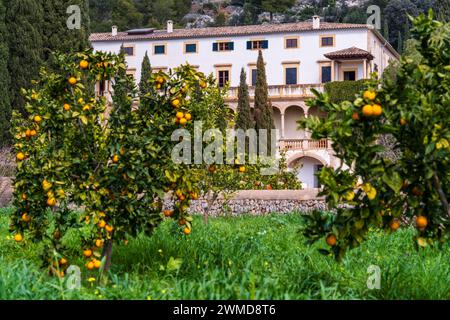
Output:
x=235 y=258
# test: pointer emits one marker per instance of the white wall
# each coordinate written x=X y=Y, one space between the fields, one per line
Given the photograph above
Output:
x=309 y=53
x=306 y=174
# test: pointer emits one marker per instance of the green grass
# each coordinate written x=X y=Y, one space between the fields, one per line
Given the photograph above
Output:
x=236 y=258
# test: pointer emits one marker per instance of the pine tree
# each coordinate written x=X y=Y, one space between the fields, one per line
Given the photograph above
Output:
x=5 y=106
x=146 y=73
x=244 y=119
x=55 y=33
x=23 y=22
x=263 y=107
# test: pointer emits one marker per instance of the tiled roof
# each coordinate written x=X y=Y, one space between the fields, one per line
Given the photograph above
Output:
x=223 y=31
x=349 y=53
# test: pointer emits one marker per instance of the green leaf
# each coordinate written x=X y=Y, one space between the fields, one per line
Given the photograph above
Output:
x=393 y=180
x=84 y=120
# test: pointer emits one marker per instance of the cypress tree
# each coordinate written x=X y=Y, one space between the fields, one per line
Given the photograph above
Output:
x=399 y=43
x=386 y=30
x=23 y=21
x=146 y=73
x=244 y=119
x=263 y=107
x=55 y=32
x=5 y=106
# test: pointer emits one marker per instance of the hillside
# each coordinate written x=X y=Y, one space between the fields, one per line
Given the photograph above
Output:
x=128 y=14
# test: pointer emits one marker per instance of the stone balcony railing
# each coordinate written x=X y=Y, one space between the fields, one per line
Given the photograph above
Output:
x=304 y=144
x=282 y=91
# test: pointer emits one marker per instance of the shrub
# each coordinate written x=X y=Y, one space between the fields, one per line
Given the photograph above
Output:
x=340 y=91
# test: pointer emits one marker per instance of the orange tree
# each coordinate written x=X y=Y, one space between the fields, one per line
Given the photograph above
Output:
x=113 y=160
x=374 y=189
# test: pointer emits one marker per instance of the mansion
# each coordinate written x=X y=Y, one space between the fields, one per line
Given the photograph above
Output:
x=299 y=57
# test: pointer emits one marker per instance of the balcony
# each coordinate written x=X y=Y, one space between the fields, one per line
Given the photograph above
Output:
x=304 y=144
x=281 y=91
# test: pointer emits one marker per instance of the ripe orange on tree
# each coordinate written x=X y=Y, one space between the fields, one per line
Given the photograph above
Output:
x=355 y=116
x=176 y=103
x=377 y=110
x=101 y=224
x=99 y=243
x=20 y=156
x=87 y=253
x=403 y=122
x=188 y=116
x=421 y=222
x=367 y=110
x=26 y=217
x=369 y=95
x=331 y=240
x=181 y=222
x=186 y=231
x=28 y=133
x=84 y=64
x=33 y=132
x=394 y=225
x=168 y=213
x=109 y=228
x=63 y=261
x=97 y=263
x=18 y=237
x=180 y=115
x=72 y=81
x=51 y=202
x=37 y=119
x=242 y=169
x=90 y=265
x=115 y=158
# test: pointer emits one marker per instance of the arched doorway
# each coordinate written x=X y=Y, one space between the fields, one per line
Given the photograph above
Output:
x=277 y=118
x=307 y=167
x=291 y=115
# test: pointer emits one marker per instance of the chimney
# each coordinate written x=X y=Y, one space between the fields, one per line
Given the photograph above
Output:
x=316 y=22
x=114 y=31
x=169 y=26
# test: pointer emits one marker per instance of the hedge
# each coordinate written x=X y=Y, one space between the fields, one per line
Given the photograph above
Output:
x=344 y=90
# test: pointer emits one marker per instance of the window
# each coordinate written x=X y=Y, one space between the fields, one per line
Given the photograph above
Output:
x=223 y=77
x=349 y=75
x=159 y=49
x=223 y=46
x=129 y=50
x=291 y=43
x=291 y=75
x=254 y=76
x=327 y=41
x=190 y=48
x=326 y=74
x=257 y=44
x=317 y=169
x=131 y=73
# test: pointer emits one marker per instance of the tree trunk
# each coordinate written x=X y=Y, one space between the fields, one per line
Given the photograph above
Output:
x=442 y=196
x=107 y=252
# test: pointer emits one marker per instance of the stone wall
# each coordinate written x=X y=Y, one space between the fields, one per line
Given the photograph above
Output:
x=262 y=202
x=5 y=192
x=253 y=202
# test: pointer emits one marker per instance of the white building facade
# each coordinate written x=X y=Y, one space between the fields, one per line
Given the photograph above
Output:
x=298 y=56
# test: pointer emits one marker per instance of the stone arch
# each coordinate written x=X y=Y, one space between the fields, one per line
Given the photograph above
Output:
x=292 y=114
x=310 y=165
x=277 y=117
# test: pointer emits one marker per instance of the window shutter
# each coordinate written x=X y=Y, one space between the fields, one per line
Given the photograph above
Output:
x=231 y=46
x=265 y=44
x=249 y=45
x=215 y=46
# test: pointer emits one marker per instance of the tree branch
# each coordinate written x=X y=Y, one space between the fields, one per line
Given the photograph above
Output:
x=442 y=196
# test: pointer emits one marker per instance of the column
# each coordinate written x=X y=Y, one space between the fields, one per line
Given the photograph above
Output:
x=332 y=71
x=365 y=69
x=282 y=124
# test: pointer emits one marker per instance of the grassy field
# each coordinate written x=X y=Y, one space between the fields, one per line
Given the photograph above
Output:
x=236 y=258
